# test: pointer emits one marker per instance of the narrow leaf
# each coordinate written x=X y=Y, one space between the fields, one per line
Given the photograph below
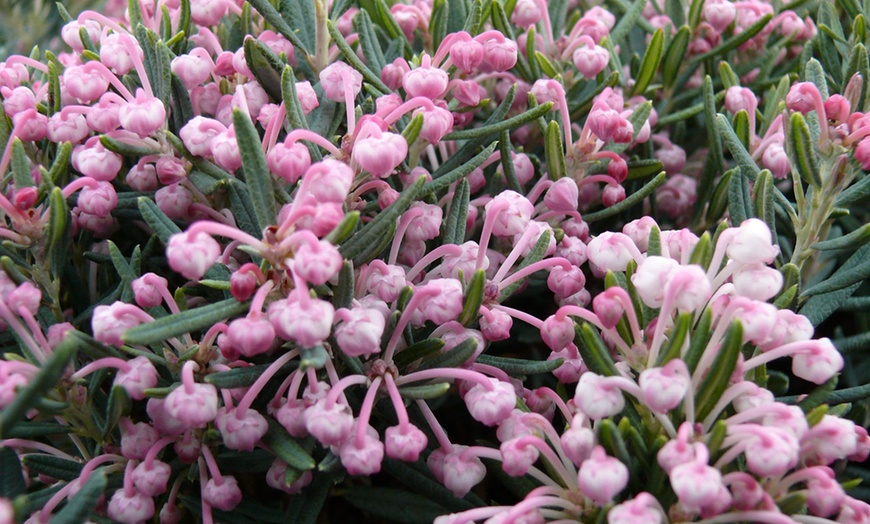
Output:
x=257 y=176
x=652 y=57
x=473 y=298
x=84 y=502
x=629 y=202
x=287 y=448
x=720 y=372
x=190 y=321
x=801 y=150
x=519 y=367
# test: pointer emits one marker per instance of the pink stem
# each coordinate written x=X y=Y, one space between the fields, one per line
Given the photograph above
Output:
x=365 y=412
x=304 y=134
x=435 y=426
x=534 y=268
x=262 y=380
x=440 y=251
x=419 y=295
x=396 y=398
x=108 y=362
x=214 y=228
x=155 y=449
x=455 y=373
x=338 y=388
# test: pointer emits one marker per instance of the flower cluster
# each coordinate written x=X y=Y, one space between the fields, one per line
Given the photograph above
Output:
x=271 y=244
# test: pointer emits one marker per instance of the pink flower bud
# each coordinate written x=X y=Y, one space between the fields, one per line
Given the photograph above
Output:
x=193 y=405
x=330 y=425
x=380 y=153
x=334 y=77
x=802 y=97
x=71 y=33
x=446 y=304
x=437 y=122
x=612 y=193
x=360 y=331
x=664 y=388
x=751 y=243
x=198 y=134
x=562 y=196
x=194 y=68
x=500 y=55
x=818 y=363
x=426 y=81
x=496 y=325
x=518 y=455
x=208 y=12
x=467 y=55
x=330 y=180
x=27 y=296
x=151 y=479
x=142 y=177
x=85 y=83
x=224 y=496
x=598 y=397
x=308 y=322
x=776 y=160
x=192 y=254
x=142 y=116
x=140 y=376
x=557 y=332
x=174 y=200
x=18 y=100
x=67 y=127
x=99 y=200
x=137 y=439
x=601 y=477
x=650 y=278
x=108 y=323
x=276 y=478
x=757 y=281
x=225 y=150
x=491 y=406
x=566 y=282
x=590 y=59
x=604 y=122
x=251 y=336
x=384 y=280
x=130 y=509
x=837 y=108
x=719 y=14
x=291 y=415
x=512 y=213
x=642 y=509
x=461 y=471
x=95 y=161
x=609 y=251
x=740 y=99
x=289 y=162
x=578 y=440
x=362 y=458
x=240 y=433
x=30 y=126
x=147 y=291
x=404 y=443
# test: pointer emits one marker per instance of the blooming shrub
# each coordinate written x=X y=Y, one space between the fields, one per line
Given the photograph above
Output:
x=454 y=261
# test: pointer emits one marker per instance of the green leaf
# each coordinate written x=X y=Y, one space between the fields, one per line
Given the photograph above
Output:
x=190 y=321
x=735 y=41
x=700 y=338
x=354 y=60
x=243 y=208
x=418 y=350
x=554 y=153
x=271 y=15
x=519 y=367
x=611 y=438
x=437 y=22
x=344 y=290
x=412 y=131
x=819 y=395
x=675 y=57
x=287 y=448
x=820 y=307
x=20 y=165
x=545 y=64
x=122 y=148
x=856 y=193
x=507 y=162
x=394 y=505
x=56 y=467
x=842 y=396
x=368 y=39
x=42 y=383
x=652 y=57
x=265 y=65
x=306 y=507
x=628 y=21
x=630 y=201
x=676 y=339
x=454 y=226
x=427 y=392
x=801 y=150
x=644 y=168
x=162 y=225
x=841 y=279
x=763 y=199
x=473 y=298
x=244 y=377
x=453 y=357
x=257 y=176
x=375 y=229
x=735 y=146
x=57 y=236
x=60 y=166
x=84 y=502
x=720 y=372
x=420 y=480
x=719 y=198
x=739 y=198
x=443 y=180
x=594 y=352
x=654 y=247
x=12 y=481
x=852 y=241
x=496 y=128
x=300 y=16
x=118 y=406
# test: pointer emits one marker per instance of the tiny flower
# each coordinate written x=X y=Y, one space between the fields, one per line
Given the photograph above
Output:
x=664 y=388
x=224 y=494
x=362 y=456
x=491 y=405
x=241 y=432
x=192 y=254
x=131 y=508
x=404 y=442
x=359 y=331
x=329 y=423
x=602 y=477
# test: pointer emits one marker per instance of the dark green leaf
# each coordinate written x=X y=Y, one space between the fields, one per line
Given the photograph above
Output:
x=162 y=225
x=453 y=357
x=394 y=505
x=443 y=180
x=454 y=226
x=473 y=298
x=594 y=352
x=305 y=508
x=739 y=198
x=57 y=236
x=554 y=153
x=630 y=201
x=271 y=15
x=801 y=150
x=675 y=57
x=190 y=321
x=652 y=57
x=265 y=65
x=720 y=372
x=520 y=367
x=257 y=176
x=55 y=467
x=427 y=392
x=354 y=60
x=287 y=448
x=735 y=41
x=11 y=478
x=418 y=350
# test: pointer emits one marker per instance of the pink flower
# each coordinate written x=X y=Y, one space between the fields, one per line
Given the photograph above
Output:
x=466 y=54
x=240 y=432
x=151 y=479
x=139 y=376
x=601 y=477
x=360 y=330
x=404 y=442
x=642 y=509
x=512 y=213
x=426 y=81
x=362 y=457
x=461 y=471
x=130 y=508
x=335 y=77
x=224 y=494
x=306 y=321
x=598 y=397
x=590 y=59
x=446 y=303
x=192 y=254
x=142 y=116
x=329 y=424
x=198 y=134
x=491 y=405
x=818 y=363
x=664 y=388
x=251 y=336
x=379 y=153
